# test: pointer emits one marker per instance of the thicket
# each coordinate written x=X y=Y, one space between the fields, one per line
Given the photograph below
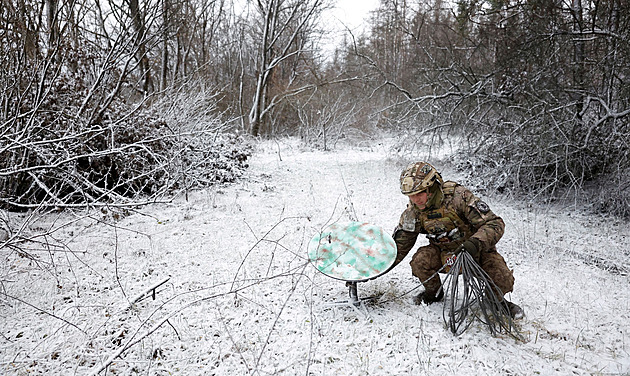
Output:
x=80 y=124
x=536 y=91
x=59 y=151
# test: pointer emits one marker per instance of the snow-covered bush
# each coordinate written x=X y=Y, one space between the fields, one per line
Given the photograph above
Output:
x=574 y=159
x=57 y=158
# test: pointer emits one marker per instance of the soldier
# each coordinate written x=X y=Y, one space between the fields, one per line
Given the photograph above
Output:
x=454 y=220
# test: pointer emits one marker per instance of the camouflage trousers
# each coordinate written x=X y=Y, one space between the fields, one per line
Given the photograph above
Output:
x=428 y=260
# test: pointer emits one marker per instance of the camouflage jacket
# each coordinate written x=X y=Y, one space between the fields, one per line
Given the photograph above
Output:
x=460 y=216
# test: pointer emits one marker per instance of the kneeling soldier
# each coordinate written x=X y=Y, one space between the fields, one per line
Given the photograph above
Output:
x=454 y=220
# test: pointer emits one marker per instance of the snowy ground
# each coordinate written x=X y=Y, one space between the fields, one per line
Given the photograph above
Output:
x=241 y=298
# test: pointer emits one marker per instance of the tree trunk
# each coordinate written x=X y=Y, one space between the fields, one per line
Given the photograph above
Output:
x=578 y=57
x=138 y=22
x=51 y=18
x=165 y=26
x=287 y=25
x=255 y=115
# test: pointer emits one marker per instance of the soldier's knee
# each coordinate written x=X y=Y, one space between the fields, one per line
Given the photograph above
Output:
x=505 y=281
x=494 y=264
x=425 y=259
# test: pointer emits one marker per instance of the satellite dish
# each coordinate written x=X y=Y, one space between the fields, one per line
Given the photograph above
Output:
x=352 y=252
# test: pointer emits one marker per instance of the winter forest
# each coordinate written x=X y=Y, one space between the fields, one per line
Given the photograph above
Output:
x=164 y=163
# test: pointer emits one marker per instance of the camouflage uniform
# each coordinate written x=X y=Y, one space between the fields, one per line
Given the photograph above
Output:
x=457 y=217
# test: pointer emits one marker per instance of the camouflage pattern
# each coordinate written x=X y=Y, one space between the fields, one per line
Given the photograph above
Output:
x=417 y=177
x=459 y=216
x=354 y=251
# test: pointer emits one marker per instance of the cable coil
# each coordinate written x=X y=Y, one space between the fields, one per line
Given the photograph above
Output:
x=475 y=295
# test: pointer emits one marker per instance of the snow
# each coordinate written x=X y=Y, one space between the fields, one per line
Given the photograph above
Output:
x=242 y=299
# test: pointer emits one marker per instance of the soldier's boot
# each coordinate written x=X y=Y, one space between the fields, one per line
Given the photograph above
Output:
x=428 y=297
x=515 y=310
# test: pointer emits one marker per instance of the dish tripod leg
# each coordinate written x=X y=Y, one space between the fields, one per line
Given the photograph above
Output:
x=354 y=300
x=354 y=294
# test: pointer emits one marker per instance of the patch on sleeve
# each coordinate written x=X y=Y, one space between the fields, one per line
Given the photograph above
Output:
x=482 y=207
x=409 y=225
x=408 y=221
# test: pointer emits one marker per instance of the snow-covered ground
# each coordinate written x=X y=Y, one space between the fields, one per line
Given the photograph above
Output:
x=240 y=297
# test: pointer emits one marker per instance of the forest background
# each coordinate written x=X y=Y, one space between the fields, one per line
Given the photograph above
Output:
x=108 y=101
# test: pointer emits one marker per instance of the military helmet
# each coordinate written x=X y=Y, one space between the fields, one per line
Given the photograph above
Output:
x=417 y=177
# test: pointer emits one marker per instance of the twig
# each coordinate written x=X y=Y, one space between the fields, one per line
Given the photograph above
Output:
x=275 y=322
x=133 y=340
x=255 y=245
x=44 y=311
x=146 y=292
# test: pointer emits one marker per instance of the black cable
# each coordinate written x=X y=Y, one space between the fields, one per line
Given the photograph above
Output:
x=475 y=297
x=479 y=299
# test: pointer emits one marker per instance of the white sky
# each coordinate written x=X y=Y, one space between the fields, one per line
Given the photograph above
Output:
x=353 y=12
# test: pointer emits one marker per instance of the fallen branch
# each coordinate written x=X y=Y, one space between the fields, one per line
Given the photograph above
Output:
x=44 y=312
x=133 y=340
x=145 y=293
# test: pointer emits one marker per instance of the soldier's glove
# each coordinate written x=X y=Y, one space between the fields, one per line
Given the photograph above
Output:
x=471 y=246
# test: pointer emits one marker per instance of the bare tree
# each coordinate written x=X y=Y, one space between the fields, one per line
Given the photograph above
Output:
x=71 y=133
x=285 y=30
x=139 y=44
x=537 y=89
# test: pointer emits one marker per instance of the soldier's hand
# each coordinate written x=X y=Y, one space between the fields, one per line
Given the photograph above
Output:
x=472 y=247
